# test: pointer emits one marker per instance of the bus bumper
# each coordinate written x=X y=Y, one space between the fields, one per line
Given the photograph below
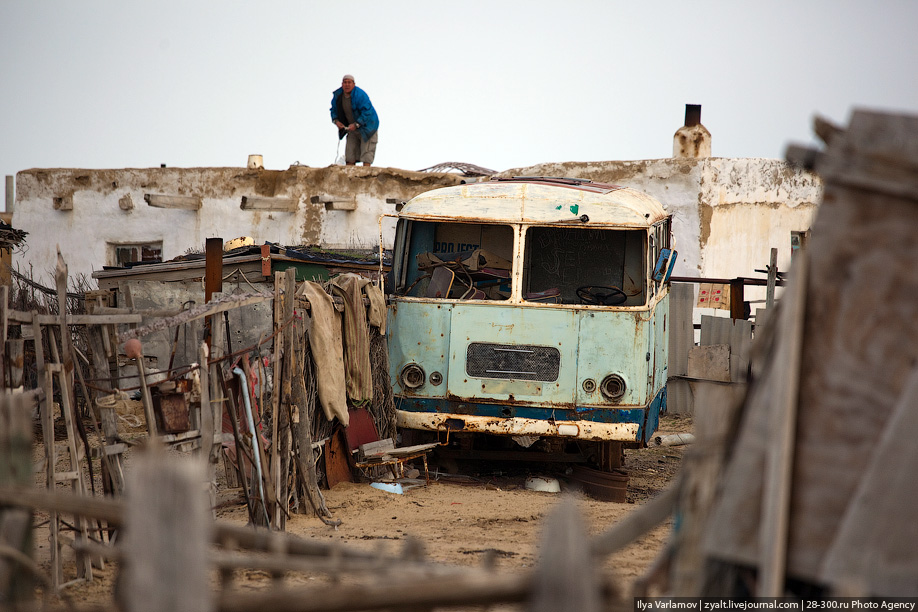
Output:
x=517 y=426
x=631 y=424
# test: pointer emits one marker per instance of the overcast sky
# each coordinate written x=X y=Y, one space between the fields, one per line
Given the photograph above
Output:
x=502 y=84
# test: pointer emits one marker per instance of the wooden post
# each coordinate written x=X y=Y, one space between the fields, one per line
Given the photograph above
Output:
x=168 y=530
x=68 y=407
x=306 y=465
x=280 y=381
x=737 y=299
x=106 y=413
x=772 y=278
x=16 y=349
x=4 y=311
x=47 y=430
x=779 y=466
x=290 y=365
x=15 y=470
x=565 y=579
x=75 y=474
x=207 y=428
x=218 y=348
x=148 y=413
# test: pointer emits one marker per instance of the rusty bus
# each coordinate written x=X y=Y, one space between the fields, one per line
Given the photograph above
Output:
x=532 y=309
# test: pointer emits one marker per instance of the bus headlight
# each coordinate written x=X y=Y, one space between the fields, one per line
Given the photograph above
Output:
x=412 y=376
x=613 y=387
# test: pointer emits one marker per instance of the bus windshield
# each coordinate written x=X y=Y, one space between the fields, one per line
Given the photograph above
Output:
x=574 y=265
x=561 y=265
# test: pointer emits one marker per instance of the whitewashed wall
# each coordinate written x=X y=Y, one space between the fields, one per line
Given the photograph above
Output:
x=98 y=217
x=728 y=213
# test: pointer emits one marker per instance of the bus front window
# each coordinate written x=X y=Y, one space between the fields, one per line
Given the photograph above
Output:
x=574 y=265
x=463 y=261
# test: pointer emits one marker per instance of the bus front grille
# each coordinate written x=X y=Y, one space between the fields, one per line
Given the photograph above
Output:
x=516 y=361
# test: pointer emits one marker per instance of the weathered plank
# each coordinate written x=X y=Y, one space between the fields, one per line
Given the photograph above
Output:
x=565 y=579
x=856 y=360
x=410 y=594
x=75 y=319
x=173 y=201
x=167 y=536
x=879 y=518
x=276 y=204
x=47 y=430
x=16 y=349
x=779 y=464
x=715 y=410
x=681 y=340
x=68 y=408
x=207 y=428
x=737 y=333
x=15 y=469
x=222 y=304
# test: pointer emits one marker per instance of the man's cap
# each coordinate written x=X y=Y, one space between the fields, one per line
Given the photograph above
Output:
x=348 y=76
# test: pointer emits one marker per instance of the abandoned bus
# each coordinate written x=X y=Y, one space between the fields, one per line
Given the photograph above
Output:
x=532 y=309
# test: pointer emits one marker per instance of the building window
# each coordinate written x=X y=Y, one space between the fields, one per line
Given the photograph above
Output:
x=125 y=254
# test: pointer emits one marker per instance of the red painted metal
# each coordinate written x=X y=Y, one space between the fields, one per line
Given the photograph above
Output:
x=360 y=429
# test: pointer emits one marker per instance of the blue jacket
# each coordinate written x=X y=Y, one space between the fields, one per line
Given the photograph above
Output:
x=364 y=113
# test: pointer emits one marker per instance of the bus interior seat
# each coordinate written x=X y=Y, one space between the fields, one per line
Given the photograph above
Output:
x=441 y=281
x=550 y=296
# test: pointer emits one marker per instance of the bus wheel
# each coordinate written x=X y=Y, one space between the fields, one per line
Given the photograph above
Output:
x=611 y=456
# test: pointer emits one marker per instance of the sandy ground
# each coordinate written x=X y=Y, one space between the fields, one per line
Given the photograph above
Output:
x=460 y=520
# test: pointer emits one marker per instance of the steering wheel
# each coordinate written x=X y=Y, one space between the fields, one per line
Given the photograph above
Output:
x=601 y=295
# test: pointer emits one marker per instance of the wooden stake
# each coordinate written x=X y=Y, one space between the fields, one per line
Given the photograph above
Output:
x=780 y=451
x=148 y=413
x=772 y=279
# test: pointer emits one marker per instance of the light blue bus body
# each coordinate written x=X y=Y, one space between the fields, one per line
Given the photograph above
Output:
x=504 y=312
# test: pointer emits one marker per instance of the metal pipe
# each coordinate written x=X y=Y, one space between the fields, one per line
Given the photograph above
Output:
x=692 y=115
x=251 y=423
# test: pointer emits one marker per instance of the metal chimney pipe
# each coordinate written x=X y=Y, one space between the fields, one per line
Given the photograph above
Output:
x=692 y=115
x=10 y=193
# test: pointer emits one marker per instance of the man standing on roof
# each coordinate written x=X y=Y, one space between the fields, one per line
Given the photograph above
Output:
x=353 y=113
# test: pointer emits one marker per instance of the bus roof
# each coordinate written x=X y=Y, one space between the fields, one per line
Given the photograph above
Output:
x=537 y=200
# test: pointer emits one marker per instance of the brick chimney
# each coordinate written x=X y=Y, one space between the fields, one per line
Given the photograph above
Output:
x=692 y=139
